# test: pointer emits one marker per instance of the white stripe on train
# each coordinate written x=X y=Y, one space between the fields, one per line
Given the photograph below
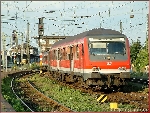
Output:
x=90 y=70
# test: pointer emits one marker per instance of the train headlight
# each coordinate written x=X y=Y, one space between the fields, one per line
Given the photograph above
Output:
x=95 y=69
x=119 y=68
x=108 y=58
x=122 y=68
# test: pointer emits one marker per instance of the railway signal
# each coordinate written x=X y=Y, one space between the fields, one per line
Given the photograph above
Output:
x=40 y=33
x=28 y=44
x=41 y=27
x=14 y=38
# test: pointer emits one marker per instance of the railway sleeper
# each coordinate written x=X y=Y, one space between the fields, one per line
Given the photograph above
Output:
x=38 y=99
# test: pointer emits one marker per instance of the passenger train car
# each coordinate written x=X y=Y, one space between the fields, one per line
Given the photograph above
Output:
x=99 y=57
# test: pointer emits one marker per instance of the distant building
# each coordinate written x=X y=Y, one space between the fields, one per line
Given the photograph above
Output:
x=20 y=52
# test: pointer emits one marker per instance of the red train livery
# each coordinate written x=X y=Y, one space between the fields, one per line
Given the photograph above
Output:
x=99 y=57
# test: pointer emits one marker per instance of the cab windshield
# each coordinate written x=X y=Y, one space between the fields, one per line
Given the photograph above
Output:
x=106 y=47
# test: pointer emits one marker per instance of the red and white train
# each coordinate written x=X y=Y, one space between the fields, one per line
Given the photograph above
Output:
x=99 y=57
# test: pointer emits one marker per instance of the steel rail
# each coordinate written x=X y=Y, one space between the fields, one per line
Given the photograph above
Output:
x=18 y=96
x=49 y=97
x=26 y=73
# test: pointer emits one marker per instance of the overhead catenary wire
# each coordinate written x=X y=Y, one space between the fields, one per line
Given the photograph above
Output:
x=108 y=14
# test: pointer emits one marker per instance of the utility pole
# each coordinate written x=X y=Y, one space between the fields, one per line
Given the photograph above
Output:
x=28 y=44
x=10 y=41
x=15 y=43
x=21 y=47
x=4 y=56
x=147 y=26
x=148 y=36
x=40 y=33
x=100 y=19
x=4 y=48
x=17 y=56
x=6 y=59
x=120 y=26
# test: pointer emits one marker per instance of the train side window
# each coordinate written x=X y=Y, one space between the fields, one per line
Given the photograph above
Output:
x=74 y=52
x=77 y=51
x=54 y=55
x=61 y=55
x=64 y=54
x=68 y=53
x=82 y=49
x=71 y=53
x=51 y=55
x=58 y=54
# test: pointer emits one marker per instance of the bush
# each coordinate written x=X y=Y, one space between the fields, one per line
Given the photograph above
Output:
x=34 y=66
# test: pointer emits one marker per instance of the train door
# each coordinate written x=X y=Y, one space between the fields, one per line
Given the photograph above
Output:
x=71 y=59
x=81 y=59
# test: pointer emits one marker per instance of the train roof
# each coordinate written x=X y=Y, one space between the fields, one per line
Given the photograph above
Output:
x=93 y=32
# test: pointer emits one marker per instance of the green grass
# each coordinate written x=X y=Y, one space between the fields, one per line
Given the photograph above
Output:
x=10 y=97
x=74 y=99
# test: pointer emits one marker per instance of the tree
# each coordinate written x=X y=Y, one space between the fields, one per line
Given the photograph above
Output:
x=139 y=55
x=135 y=47
x=142 y=57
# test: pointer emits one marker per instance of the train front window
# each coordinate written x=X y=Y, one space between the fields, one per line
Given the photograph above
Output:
x=106 y=47
x=116 y=48
x=98 y=48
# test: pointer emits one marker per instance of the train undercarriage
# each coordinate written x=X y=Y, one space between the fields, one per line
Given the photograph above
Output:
x=104 y=81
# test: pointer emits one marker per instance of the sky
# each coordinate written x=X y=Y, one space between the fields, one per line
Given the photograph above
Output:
x=111 y=13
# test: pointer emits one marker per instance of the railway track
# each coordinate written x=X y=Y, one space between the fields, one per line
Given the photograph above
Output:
x=34 y=99
x=31 y=97
x=138 y=99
